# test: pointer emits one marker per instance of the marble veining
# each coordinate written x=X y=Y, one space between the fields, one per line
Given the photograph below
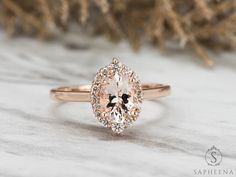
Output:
x=39 y=137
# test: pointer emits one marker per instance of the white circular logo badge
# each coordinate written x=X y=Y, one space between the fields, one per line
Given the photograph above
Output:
x=213 y=156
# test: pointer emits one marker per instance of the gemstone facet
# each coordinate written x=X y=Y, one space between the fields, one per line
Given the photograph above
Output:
x=116 y=96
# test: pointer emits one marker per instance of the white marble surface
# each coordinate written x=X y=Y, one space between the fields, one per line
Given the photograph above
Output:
x=41 y=138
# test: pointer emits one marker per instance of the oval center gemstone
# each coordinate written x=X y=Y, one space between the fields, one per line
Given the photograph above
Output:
x=117 y=98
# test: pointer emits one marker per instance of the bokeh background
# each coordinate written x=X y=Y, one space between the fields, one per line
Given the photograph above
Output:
x=189 y=44
x=196 y=24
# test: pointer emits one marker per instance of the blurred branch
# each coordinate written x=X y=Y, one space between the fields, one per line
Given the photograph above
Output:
x=200 y=24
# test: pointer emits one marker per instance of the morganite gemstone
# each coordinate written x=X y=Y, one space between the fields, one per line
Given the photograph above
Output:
x=117 y=98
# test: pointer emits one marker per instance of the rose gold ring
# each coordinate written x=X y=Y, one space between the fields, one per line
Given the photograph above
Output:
x=116 y=95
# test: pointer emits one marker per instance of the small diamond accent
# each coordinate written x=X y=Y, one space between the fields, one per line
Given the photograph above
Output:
x=118 y=128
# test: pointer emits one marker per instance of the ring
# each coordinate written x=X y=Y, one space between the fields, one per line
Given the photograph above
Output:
x=116 y=95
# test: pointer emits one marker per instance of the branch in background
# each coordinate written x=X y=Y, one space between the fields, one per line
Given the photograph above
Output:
x=47 y=15
x=25 y=17
x=84 y=11
x=199 y=24
x=203 y=7
x=65 y=8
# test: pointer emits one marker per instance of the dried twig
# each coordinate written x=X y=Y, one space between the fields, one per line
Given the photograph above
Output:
x=30 y=19
x=199 y=24
x=84 y=12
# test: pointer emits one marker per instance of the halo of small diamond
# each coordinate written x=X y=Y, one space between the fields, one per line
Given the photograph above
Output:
x=133 y=96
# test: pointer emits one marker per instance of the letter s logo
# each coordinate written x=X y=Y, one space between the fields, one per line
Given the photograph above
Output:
x=213 y=155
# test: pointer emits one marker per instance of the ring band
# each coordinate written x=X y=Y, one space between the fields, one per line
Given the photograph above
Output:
x=82 y=93
x=116 y=95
